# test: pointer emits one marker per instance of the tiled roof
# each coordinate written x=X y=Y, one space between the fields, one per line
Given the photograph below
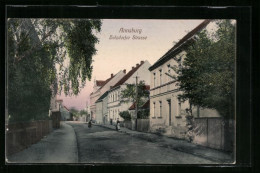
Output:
x=106 y=81
x=146 y=105
x=128 y=75
x=100 y=82
x=66 y=108
x=132 y=107
x=176 y=47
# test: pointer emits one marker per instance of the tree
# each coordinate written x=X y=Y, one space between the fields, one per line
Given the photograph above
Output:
x=83 y=112
x=207 y=75
x=46 y=56
x=125 y=115
x=75 y=112
x=129 y=94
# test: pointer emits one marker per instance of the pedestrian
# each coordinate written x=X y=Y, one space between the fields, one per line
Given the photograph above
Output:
x=117 y=124
x=89 y=124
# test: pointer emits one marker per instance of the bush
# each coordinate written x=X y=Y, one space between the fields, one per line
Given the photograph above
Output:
x=143 y=114
x=125 y=115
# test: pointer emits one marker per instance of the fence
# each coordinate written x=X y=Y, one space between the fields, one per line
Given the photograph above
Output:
x=143 y=125
x=214 y=133
x=21 y=135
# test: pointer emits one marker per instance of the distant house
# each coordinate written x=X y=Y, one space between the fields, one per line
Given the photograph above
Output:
x=101 y=109
x=65 y=113
x=100 y=87
x=115 y=103
x=167 y=113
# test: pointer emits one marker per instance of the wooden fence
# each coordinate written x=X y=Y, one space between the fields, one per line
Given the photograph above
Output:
x=21 y=135
x=214 y=132
x=143 y=125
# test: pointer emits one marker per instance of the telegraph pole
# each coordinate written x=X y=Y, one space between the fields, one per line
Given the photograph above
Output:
x=136 y=101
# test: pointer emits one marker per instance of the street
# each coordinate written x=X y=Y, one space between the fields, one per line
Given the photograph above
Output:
x=102 y=145
x=74 y=142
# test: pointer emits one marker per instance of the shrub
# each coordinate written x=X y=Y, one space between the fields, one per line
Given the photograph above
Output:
x=125 y=115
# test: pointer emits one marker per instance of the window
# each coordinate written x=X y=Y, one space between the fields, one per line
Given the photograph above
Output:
x=169 y=72
x=153 y=109
x=154 y=79
x=160 y=76
x=160 y=108
x=179 y=107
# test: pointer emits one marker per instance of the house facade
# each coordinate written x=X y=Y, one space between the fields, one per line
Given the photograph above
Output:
x=101 y=109
x=115 y=104
x=167 y=113
x=100 y=87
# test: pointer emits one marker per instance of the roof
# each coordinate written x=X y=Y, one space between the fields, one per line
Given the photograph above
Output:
x=106 y=81
x=66 y=108
x=100 y=82
x=146 y=105
x=102 y=97
x=128 y=75
x=176 y=48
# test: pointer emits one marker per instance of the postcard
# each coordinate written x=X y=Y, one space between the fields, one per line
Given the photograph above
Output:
x=121 y=91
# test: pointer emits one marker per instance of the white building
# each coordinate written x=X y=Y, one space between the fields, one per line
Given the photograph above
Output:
x=101 y=109
x=115 y=104
x=167 y=113
x=100 y=87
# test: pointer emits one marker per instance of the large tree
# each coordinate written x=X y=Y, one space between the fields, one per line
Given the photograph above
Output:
x=207 y=75
x=129 y=93
x=46 y=56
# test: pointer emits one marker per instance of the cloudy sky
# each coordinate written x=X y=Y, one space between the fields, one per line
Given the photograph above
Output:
x=114 y=55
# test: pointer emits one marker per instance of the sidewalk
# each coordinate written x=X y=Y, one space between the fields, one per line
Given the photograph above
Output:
x=178 y=144
x=60 y=146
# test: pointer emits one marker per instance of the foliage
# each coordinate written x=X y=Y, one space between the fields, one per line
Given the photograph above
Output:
x=129 y=94
x=143 y=114
x=125 y=115
x=207 y=74
x=46 y=56
x=83 y=112
x=75 y=112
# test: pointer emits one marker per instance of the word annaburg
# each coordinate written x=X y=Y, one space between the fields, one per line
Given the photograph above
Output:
x=128 y=34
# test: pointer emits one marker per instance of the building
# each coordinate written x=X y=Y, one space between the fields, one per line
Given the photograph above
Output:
x=115 y=103
x=101 y=107
x=65 y=113
x=167 y=113
x=100 y=87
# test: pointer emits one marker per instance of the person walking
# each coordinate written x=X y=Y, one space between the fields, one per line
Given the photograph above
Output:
x=117 y=124
x=89 y=124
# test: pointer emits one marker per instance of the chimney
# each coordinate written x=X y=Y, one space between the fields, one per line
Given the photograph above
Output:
x=137 y=65
x=133 y=68
x=124 y=71
x=142 y=62
x=112 y=75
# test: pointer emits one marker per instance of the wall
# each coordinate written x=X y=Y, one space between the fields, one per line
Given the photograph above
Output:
x=99 y=112
x=214 y=133
x=143 y=74
x=21 y=135
x=95 y=96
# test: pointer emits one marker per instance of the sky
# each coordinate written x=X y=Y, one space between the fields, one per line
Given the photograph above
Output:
x=114 y=55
